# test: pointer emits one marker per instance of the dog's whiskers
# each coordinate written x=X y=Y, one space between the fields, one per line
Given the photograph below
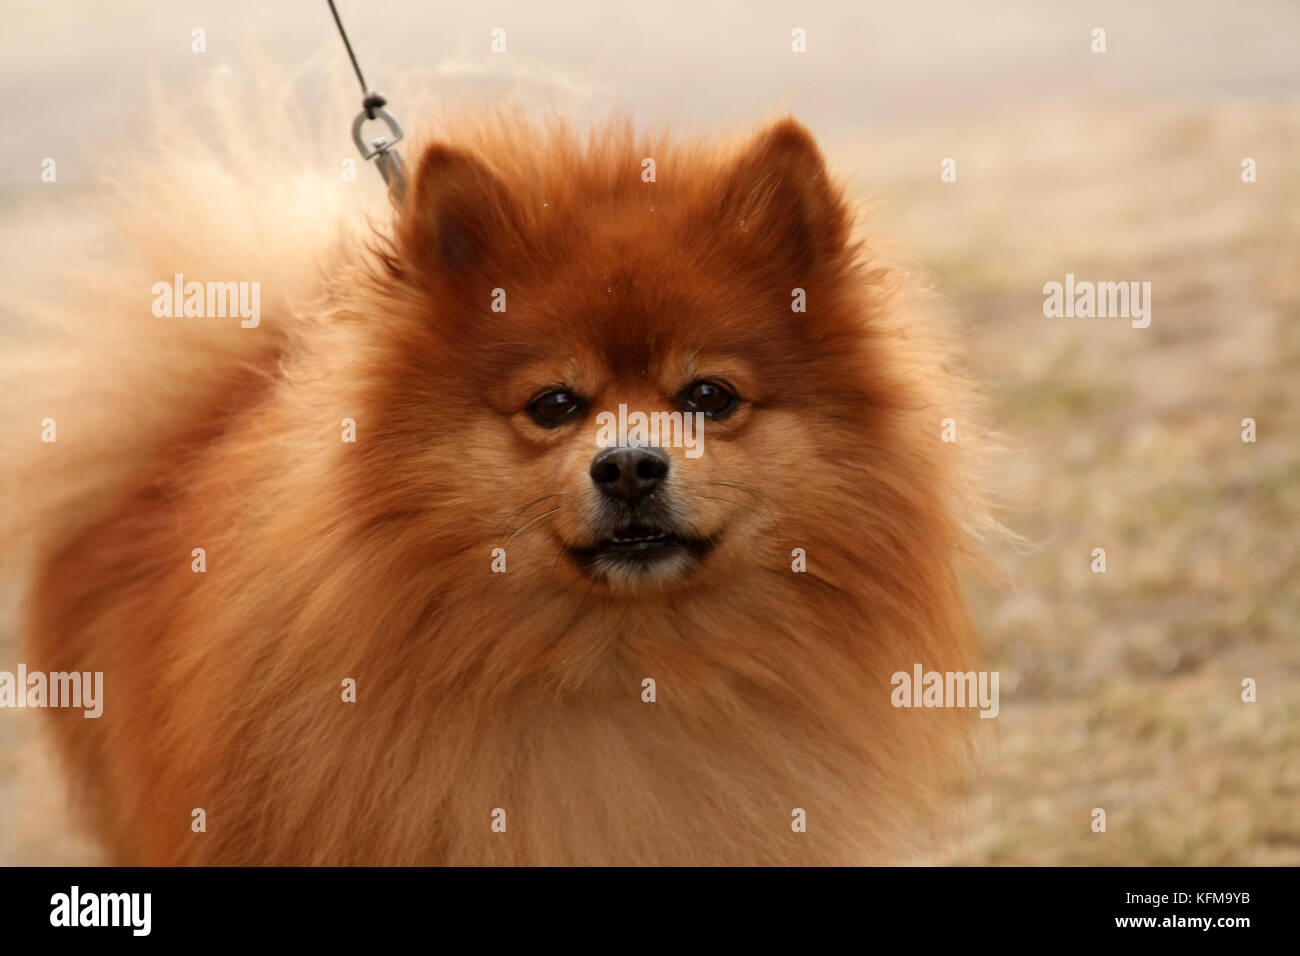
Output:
x=745 y=489
x=739 y=487
x=505 y=525
x=531 y=521
x=730 y=501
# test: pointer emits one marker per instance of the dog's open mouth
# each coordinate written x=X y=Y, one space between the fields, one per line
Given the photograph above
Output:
x=643 y=547
x=639 y=537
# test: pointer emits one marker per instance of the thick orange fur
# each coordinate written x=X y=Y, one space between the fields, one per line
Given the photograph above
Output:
x=373 y=560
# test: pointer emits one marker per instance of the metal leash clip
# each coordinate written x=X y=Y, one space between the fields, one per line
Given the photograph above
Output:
x=380 y=149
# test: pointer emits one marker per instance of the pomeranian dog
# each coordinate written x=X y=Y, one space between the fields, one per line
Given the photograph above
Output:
x=372 y=578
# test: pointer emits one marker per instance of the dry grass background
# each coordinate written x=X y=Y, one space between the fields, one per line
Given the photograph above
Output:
x=1119 y=690
x=1123 y=690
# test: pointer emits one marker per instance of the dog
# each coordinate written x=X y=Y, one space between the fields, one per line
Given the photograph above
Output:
x=381 y=578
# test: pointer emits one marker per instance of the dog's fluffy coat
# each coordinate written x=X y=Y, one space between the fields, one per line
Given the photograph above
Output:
x=372 y=560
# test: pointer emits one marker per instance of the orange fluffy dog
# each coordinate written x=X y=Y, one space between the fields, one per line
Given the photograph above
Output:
x=436 y=617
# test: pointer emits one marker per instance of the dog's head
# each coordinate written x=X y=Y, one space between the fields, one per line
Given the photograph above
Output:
x=635 y=362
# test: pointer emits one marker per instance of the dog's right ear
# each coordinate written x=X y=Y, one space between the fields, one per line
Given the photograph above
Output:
x=457 y=213
x=780 y=189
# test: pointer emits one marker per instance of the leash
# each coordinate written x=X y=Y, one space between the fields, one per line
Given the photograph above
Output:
x=381 y=149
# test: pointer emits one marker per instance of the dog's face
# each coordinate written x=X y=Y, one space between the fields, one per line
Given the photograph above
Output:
x=643 y=458
x=636 y=377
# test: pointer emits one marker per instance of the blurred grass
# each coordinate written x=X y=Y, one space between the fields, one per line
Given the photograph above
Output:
x=1123 y=690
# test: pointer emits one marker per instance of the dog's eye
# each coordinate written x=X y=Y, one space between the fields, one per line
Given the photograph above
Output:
x=554 y=408
x=712 y=398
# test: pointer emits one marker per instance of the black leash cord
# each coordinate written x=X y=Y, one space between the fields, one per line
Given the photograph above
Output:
x=365 y=90
x=381 y=150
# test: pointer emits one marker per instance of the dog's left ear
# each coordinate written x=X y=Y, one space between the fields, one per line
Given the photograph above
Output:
x=780 y=197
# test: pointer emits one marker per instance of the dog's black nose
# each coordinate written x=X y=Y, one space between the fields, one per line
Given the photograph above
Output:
x=628 y=473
